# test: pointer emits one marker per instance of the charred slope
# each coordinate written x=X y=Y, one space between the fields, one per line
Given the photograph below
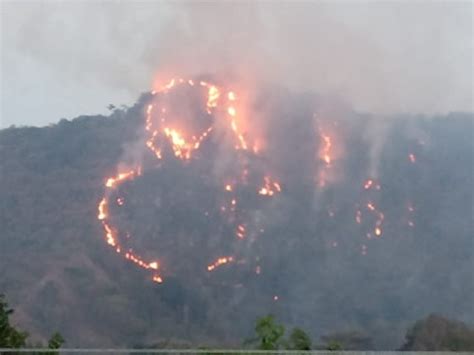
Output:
x=309 y=260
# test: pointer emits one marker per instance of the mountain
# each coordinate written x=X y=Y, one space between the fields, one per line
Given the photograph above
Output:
x=347 y=222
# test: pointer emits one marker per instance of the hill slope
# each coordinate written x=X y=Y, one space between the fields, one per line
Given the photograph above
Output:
x=317 y=267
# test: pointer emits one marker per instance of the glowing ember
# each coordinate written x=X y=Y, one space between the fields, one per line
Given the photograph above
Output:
x=240 y=231
x=213 y=96
x=270 y=187
x=102 y=206
x=231 y=110
x=219 y=262
x=157 y=279
x=368 y=184
x=326 y=149
x=111 y=182
x=153 y=265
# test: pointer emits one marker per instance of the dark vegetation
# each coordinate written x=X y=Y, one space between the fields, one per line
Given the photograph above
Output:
x=11 y=337
x=432 y=333
x=59 y=274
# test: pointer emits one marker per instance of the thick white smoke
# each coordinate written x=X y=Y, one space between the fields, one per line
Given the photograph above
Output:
x=381 y=57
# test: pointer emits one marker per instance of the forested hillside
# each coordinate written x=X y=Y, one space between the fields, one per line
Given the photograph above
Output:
x=313 y=264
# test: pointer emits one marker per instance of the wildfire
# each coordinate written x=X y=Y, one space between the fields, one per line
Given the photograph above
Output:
x=213 y=96
x=219 y=262
x=240 y=231
x=325 y=153
x=328 y=152
x=270 y=187
x=102 y=206
x=371 y=184
x=161 y=132
x=371 y=208
x=157 y=279
x=168 y=138
x=113 y=181
x=379 y=218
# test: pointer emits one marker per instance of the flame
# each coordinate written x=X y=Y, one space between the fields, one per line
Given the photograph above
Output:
x=270 y=187
x=379 y=218
x=325 y=153
x=109 y=235
x=153 y=265
x=113 y=181
x=220 y=261
x=182 y=145
x=231 y=110
x=213 y=96
x=368 y=184
x=102 y=209
x=157 y=279
x=371 y=184
x=328 y=152
x=412 y=158
x=240 y=231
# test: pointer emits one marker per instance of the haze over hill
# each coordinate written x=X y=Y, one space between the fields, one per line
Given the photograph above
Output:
x=388 y=57
x=362 y=232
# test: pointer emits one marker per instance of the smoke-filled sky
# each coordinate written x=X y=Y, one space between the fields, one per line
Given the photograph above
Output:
x=63 y=58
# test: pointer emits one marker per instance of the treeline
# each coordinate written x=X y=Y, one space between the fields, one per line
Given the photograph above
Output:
x=12 y=337
x=434 y=333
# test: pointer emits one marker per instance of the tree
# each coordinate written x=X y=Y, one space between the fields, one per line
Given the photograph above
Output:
x=299 y=340
x=436 y=333
x=333 y=345
x=269 y=333
x=56 y=341
x=10 y=337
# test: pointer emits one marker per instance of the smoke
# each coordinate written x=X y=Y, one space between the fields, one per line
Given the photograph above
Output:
x=382 y=57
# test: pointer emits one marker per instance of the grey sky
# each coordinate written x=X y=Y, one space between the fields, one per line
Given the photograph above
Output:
x=63 y=59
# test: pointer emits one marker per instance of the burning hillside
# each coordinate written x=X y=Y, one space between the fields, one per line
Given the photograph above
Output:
x=214 y=206
x=213 y=183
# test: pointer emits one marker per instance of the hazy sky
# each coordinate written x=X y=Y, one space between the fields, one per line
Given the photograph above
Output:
x=67 y=58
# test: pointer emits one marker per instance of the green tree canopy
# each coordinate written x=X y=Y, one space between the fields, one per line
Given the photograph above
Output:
x=299 y=340
x=10 y=337
x=269 y=333
x=56 y=341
